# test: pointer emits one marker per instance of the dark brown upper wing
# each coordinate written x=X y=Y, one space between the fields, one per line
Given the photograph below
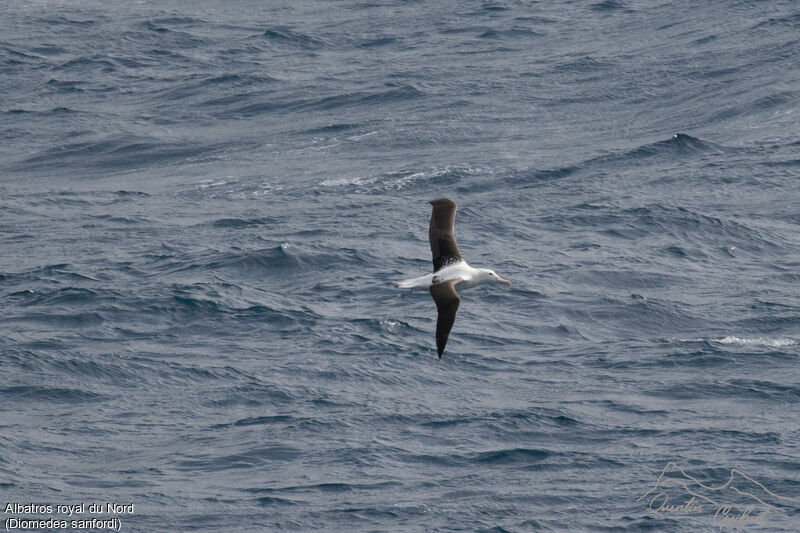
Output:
x=447 y=300
x=443 y=241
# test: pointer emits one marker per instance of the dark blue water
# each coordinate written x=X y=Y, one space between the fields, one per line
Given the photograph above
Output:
x=203 y=206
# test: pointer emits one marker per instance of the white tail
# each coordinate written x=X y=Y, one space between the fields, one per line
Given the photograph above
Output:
x=420 y=283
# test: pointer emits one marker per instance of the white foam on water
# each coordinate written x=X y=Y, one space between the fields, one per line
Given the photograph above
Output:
x=757 y=341
x=348 y=181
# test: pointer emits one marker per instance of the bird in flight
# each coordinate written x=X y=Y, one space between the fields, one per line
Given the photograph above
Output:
x=450 y=272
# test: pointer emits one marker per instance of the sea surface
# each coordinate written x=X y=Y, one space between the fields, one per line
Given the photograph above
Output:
x=203 y=206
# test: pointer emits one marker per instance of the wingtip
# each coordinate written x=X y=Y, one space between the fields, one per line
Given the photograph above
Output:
x=438 y=201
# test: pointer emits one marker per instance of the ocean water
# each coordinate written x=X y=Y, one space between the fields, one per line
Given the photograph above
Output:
x=203 y=206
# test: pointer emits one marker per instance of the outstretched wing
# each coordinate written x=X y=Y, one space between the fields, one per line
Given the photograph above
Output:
x=447 y=300
x=443 y=241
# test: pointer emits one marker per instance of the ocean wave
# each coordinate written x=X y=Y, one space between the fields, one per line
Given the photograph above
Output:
x=610 y=5
x=66 y=320
x=757 y=341
x=61 y=272
x=66 y=296
x=680 y=145
x=158 y=31
x=510 y=33
x=226 y=89
x=513 y=456
x=116 y=152
x=295 y=39
x=59 y=199
x=49 y=113
x=36 y=394
x=377 y=42
x=237 y=223
x=405 y=179
x=391 y=92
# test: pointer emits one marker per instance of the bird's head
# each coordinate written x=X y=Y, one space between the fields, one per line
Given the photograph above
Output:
x=490 y=275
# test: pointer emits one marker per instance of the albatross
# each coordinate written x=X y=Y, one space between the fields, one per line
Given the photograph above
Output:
x=450 y=272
